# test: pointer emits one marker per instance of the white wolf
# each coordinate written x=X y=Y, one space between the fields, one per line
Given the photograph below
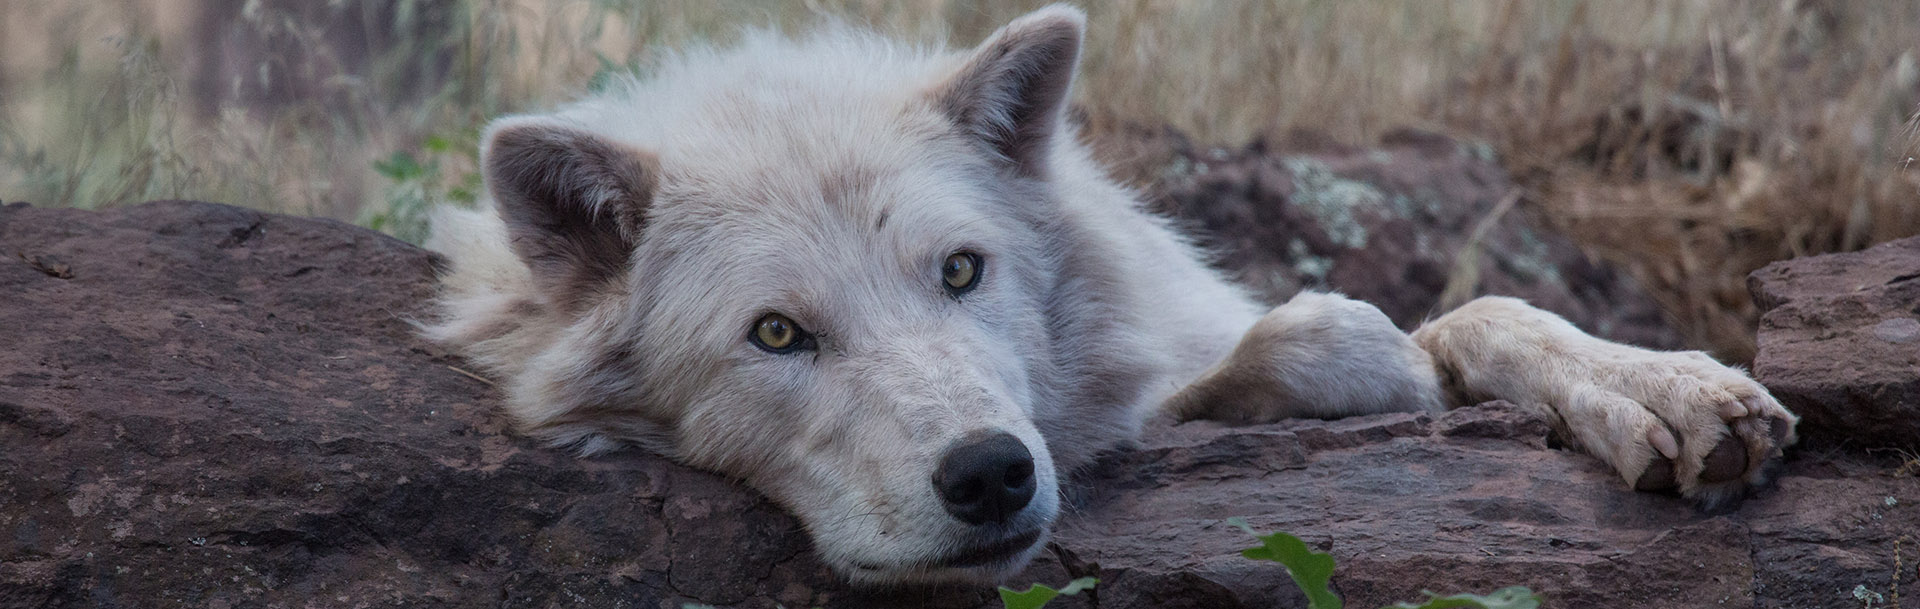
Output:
x=887 y=287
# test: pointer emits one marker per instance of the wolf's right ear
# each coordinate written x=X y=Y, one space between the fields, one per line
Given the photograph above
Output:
x=1012 y=91
x=573 y=202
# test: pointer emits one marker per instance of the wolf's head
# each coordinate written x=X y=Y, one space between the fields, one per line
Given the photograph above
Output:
x=818 y=267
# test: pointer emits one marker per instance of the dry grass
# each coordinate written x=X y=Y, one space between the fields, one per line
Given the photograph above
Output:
x=1762 y=131
x=1909 y=464
x=1690 y=142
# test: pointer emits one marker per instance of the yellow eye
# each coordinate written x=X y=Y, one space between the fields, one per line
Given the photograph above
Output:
x=961 y=271
x=776 y=333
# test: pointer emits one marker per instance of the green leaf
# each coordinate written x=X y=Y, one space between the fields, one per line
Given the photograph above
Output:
x=1515 y=597
x=1036 y=596
x=1312 y=571
x=468 y=191
x=400 y=167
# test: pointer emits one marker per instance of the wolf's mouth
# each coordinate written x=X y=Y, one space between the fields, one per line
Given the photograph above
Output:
x=996 y=552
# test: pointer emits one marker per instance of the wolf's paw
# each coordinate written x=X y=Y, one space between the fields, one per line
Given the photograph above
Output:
x=1664 y=420
x=1319 y=355
x=1680 y=421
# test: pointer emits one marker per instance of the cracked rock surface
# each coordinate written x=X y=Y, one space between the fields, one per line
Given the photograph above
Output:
x=205 y=406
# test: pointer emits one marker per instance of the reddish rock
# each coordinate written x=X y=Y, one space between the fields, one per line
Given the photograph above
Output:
x=204 y=406
x=220 y=407
x=1840 y=343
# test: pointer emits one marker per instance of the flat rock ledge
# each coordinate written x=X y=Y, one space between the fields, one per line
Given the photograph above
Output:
x=1840 y=343
x=204 y=406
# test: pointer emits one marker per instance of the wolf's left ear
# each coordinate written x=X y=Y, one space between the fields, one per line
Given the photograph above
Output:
x=573 y=201
x=1012 y=91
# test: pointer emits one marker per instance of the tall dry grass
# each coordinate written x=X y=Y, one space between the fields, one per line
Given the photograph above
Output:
x=1688 y=141
x=1750 y=133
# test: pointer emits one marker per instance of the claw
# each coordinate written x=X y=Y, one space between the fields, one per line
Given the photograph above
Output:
x=1662 y=440
x=1732 y=410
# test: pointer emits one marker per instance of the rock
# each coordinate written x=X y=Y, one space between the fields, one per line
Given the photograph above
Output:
x=1840 y=343
x=216 y=407
x=223 y=408
x=1393 y=226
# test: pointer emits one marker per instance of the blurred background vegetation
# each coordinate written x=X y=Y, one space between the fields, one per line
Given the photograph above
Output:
x=1687 y=142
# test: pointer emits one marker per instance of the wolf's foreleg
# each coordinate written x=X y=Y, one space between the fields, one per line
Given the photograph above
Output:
x=1661 y=419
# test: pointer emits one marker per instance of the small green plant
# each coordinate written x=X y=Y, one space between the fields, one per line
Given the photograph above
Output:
x=1313 y=572
x=441 y=174
x=1036 y=596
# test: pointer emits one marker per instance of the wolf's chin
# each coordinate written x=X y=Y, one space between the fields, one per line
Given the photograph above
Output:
x=983 y=564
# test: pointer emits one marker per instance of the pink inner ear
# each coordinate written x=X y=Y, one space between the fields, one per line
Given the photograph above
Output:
x=574 y=204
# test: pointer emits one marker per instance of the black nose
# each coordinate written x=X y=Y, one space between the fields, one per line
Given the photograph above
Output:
x=986 y=480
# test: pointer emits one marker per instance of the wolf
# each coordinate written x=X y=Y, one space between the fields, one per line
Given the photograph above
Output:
x=889 y=288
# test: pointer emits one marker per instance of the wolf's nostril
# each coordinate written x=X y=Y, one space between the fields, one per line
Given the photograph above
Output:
x=1019 y=474
x=986 y=480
